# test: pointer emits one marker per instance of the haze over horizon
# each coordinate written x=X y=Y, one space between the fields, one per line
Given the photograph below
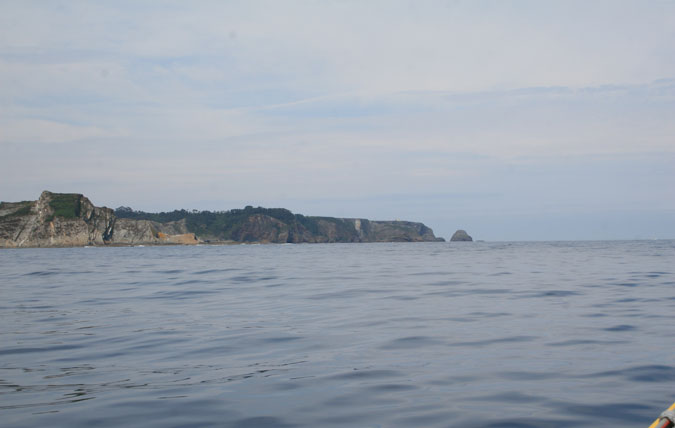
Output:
x=514 y=121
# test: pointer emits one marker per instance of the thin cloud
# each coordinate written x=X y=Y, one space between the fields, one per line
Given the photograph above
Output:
x=28 y=131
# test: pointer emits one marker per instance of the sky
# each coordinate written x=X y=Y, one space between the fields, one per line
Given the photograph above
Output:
x=514 y=120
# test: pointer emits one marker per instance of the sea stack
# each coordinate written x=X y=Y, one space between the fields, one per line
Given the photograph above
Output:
x=461 y=236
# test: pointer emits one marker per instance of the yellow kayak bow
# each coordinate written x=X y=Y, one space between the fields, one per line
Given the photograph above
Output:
x=666 y=420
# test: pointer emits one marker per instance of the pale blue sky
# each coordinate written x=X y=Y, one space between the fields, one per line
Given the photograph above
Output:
x=521 y=120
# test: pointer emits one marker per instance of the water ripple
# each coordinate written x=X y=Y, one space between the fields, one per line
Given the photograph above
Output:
x=646 y=373
x=572 y=334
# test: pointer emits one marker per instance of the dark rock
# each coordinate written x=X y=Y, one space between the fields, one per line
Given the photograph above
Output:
x=461 y=236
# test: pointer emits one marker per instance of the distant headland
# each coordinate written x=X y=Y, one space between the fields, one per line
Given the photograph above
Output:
x=71 y=220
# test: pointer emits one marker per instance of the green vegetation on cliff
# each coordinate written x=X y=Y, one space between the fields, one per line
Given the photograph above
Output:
x=15 y=209
x=66 y=205
x=224 y=225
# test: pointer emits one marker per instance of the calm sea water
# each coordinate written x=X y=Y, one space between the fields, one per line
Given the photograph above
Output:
x=569 y=334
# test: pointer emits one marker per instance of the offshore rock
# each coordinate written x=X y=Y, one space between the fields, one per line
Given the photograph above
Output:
x=461 y=236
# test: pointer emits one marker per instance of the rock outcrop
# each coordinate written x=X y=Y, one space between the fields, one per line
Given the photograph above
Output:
x=263 y=228
x=461 y=236
x=137 y=232
x=70 y=219
x=55 y=220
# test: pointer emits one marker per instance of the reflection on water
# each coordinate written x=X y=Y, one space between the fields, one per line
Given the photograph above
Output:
x=433 y=334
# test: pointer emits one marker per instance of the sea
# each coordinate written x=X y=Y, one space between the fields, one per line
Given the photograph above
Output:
x=442 y=334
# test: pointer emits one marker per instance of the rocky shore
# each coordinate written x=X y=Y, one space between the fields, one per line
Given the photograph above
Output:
x=71 y=220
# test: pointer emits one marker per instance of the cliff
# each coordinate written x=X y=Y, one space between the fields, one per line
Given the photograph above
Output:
x=279 y=225
x=69 y=219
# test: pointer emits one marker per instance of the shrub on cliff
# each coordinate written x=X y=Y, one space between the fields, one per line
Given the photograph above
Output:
x=66 y=205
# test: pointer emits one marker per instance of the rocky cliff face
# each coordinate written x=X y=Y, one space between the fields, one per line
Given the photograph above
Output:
x=69 y=219
x=65 y=220
x=136 y=232
x=395 y=231
x=263 y=228
x=55 y=220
